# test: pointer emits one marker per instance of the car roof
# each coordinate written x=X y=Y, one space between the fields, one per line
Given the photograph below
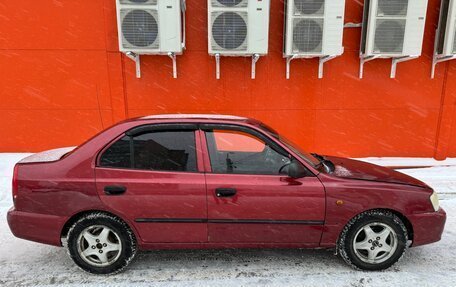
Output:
x=194 y=116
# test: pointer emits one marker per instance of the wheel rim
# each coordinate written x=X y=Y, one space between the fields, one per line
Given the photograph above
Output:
x=375 y=243
x=99 y=245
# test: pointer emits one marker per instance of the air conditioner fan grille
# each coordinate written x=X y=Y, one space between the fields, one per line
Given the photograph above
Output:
x=139 y=28
x=307 y=35
x=139 y=2
x=229 y=3
x=389 y=36
x=229 y=30
x=309 y=7
x=392 y=7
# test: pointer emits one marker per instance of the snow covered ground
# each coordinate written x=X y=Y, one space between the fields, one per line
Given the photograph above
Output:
x=24 y=263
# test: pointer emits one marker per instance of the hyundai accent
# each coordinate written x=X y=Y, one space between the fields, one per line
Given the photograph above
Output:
x=213 y=181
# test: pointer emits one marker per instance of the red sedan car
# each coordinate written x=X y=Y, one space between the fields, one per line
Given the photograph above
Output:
x=208 y=181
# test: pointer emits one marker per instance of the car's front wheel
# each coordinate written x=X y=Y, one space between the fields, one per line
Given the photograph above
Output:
x=100 y=243
x=374 y=240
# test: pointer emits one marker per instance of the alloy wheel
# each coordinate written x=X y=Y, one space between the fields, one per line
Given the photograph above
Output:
x=375 y=243
x=99 y=245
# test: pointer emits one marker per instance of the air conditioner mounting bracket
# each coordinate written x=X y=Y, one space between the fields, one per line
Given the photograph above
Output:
x=436 y=59
x=255 y=58
x=173 y=57
x=217 y=66
x=398 y=60
x=289 y=59
x=395 y=61
x=321 y=62
x=136 y=58
x=364 y=60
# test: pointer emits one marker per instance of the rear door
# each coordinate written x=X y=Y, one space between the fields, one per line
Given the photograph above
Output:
x=250 y=197
x=152 y=176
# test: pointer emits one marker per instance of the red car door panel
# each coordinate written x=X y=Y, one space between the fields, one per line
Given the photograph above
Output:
x=165 y=207
x=249 y=199
x=158 y=172
x=269 y=209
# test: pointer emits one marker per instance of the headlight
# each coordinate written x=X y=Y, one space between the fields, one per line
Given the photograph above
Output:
x=435 y=201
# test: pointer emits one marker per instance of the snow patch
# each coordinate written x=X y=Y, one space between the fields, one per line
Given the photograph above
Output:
x=47 y=156
x=342 y=171
x=408 y=161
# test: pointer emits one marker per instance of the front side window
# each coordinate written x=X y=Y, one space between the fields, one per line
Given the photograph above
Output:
x=160 y=150
x=238 y=152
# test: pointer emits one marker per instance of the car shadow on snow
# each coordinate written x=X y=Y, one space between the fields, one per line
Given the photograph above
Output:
x=236 y=259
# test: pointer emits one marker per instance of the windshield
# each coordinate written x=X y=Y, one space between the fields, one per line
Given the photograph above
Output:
x=309 y=158
x=300 y=152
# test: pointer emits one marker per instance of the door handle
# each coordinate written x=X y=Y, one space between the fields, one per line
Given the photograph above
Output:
x=114 y=189
x=225 y=192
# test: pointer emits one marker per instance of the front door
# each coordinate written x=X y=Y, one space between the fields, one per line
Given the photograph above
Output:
x=151 y=177
x=250 y=197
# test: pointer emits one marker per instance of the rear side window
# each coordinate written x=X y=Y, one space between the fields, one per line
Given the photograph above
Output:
x=118 y=154
x=161 y=151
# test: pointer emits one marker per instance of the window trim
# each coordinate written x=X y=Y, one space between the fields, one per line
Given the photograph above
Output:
x=251 y=131
x=142 y=129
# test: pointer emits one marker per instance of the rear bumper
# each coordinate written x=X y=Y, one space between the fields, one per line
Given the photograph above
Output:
x=427 y=227
x=36 y=227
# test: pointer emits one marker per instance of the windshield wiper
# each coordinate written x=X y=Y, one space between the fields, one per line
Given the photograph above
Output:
x=317 y=156
x=329 y=165
x=320 y=159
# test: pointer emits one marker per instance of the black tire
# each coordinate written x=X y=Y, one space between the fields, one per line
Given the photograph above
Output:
x=373 y=219
x=120 y=235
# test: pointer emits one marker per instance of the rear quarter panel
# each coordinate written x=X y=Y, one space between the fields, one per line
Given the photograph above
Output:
x=59 y=188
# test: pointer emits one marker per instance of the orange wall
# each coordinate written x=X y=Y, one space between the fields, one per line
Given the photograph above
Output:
x=62 y=80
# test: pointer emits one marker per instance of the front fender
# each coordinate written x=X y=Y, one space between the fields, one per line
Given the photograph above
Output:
x=347 y=198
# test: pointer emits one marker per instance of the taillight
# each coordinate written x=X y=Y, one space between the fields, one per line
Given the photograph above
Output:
x=15 y=184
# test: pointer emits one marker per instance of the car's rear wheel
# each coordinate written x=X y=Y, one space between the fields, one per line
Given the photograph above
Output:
x=374 y=240
x=100 y=243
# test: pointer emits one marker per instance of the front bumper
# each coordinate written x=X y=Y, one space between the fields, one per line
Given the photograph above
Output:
x=427 y=227
x=36 y=227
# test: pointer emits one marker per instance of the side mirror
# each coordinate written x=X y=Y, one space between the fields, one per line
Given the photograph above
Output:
x=296 y=170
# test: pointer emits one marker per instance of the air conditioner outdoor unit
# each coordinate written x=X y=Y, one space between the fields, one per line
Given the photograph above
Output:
x=313 y=28
x=392 y=29
x=151 y=27
x=238 y=28
x=445 y=39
